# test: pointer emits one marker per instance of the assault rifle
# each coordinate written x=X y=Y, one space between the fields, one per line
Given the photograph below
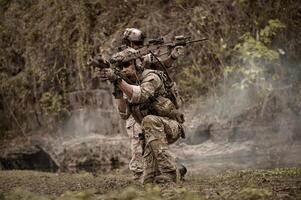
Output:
x=100 y=63
x=153 y=45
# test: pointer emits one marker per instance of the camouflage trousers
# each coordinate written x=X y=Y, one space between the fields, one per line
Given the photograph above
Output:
x=159 y=164
x=133 y=129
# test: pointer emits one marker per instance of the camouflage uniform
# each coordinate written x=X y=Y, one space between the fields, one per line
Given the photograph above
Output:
x=158 y=162
x=133 y=129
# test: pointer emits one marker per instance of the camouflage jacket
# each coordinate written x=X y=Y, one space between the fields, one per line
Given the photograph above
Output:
x=150 y=85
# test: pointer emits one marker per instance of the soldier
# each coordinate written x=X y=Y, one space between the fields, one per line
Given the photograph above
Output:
x=135 y=38
x=144 y=96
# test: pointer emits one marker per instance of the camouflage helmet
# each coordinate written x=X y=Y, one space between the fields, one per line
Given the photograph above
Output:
x=125 y=57
x=133 y=35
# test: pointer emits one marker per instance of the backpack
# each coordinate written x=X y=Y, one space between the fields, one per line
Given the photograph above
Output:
x=171 y=89
x=165 y=104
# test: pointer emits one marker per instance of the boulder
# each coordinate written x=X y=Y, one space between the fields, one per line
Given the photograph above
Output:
x=91 y=153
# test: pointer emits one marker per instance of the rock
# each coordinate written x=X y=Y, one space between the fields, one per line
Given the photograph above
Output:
x=92 y=153
x=25 y=156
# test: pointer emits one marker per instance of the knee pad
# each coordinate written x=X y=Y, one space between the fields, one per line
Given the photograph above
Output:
x=147 y=120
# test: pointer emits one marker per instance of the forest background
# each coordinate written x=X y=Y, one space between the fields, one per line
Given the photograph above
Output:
x=253 y=49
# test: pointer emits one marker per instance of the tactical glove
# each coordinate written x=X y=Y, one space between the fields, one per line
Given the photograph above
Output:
x=117 y=93
x=97 y=61
x=177 y=52
x=108 y=74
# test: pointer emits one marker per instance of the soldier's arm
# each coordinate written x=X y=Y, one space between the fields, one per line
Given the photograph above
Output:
x=142 y=92
x=178 y=51
x=174 y=55
x=126 y=88
x=122 y=108
x=168 y=62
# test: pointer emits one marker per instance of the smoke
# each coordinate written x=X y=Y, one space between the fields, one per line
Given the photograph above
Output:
x=254 y=125
x=93 y=113
x=92 y=138
x=85 y=121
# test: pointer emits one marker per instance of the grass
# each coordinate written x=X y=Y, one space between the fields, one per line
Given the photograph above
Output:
x=282 y=183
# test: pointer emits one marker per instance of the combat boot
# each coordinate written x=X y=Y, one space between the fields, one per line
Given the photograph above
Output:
x=181 y=172
x=137 y=176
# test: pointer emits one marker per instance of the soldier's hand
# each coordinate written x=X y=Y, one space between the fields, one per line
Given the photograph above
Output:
x=108 y=74
x=117 y=93
x=94 y=61
x=97 y=61
x=97 y=73
x=177 y=52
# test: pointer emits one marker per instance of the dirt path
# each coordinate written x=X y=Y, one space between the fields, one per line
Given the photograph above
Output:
x=249 y=184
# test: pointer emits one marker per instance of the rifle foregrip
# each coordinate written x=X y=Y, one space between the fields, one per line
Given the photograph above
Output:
x=181 y=43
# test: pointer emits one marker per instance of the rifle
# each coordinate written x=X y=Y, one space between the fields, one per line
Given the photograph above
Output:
x=100 y=63
x=180 y=40
x=153 y=45
x=150 y=47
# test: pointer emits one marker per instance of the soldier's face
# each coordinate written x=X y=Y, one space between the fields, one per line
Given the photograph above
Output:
x=136 y=45
x=129 y=71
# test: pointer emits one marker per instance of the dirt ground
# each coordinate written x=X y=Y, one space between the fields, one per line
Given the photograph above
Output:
x=246 y=184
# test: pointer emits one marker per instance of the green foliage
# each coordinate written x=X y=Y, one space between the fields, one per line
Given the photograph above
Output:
x=21 y=194
x=51 y=103
x=240 y=1
x=181 y=2
x=244 y=184
x=3 y=81
x=254 y=56
x=203 y=17
x=254 y=176
x=190 y=80
x=54 y=108
x=42 y=59
x=53 y=38
x=4 y=3
x=255 y=51
x=84 y=195
x=153 y=192
x=270 y=30
x=150 y=192
x=277 y=172
x=250 y=193
x=253 y=184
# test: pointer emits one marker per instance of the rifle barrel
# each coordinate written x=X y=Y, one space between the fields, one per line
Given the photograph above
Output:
x=199 y=40
x=173 y=44
x=152 y=47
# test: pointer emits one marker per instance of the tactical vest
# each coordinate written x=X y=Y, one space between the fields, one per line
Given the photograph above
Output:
x=161 y=104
